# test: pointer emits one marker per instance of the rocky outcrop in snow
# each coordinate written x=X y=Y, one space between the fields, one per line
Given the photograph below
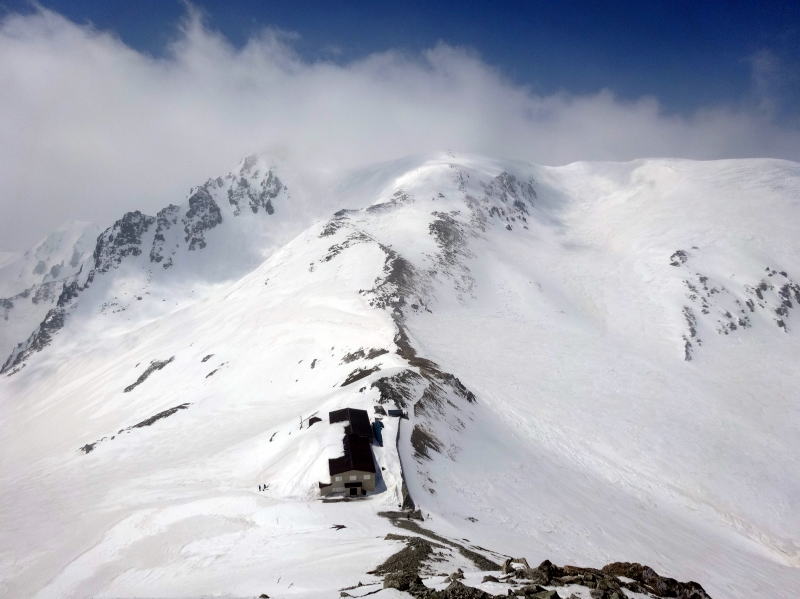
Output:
x=725 y=309
x=165 y=220
x=125 y=237
x=253 y=191
x=416 y=570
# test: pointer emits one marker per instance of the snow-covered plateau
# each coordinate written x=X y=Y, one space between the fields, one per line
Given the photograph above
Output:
x=598 y=361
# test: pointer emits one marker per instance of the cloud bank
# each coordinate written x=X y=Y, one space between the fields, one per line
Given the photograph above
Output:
x=91 y=127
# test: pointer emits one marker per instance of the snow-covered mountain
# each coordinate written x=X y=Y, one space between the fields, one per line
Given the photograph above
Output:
x=30 y=282
x=597 y=362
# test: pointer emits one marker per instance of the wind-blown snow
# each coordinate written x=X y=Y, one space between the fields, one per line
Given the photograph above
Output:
x=603 y=429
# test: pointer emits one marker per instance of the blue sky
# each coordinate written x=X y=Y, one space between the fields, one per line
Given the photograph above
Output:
x=110 y=106
x=685 y=53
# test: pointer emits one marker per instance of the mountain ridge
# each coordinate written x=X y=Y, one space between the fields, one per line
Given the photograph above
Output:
x=529 y=319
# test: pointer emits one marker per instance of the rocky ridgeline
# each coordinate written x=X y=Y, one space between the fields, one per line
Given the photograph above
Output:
x=714 y=308
x=612 y=581
x=160 y=238
x=416 y=570
x=122 y=239
x=251 y=189
x=437 y=399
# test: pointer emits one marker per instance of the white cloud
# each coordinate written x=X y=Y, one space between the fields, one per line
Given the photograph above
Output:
x=91 y=127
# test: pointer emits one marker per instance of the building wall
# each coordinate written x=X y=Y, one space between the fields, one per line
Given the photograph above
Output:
x=338 y=481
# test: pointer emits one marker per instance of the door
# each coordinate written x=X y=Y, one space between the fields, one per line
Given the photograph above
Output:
x=353 y=492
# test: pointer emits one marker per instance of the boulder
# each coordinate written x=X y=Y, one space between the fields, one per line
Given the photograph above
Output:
x=402 y=581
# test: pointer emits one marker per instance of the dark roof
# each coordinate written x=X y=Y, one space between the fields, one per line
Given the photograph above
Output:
x=358 y=419
x=357 y=456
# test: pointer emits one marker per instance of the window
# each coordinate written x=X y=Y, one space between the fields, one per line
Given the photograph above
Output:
x=338 y=478
x=353 y=477
x=366 y=477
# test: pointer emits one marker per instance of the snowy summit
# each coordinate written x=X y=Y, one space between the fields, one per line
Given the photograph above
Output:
x=584 y=378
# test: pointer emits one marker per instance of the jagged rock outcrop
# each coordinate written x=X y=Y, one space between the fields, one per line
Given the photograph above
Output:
x=124 y=238
x=408 y=569
x=203 y=214
x=256 y=196
x=716 y=308
x=166 y=219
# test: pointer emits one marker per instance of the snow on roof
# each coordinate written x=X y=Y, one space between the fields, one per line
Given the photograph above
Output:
x=358 y=421
x=357 y=456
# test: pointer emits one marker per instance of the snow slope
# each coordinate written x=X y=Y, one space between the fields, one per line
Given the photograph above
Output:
x=596 y=360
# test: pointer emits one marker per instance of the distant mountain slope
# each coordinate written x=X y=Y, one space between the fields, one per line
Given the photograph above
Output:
x=55 y=257
x=596 y=360
x=31 y=282
x=140 y=254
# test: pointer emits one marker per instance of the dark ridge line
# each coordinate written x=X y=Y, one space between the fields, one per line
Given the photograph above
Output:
x=358 y=374
x=154 y=365
x=89 y=447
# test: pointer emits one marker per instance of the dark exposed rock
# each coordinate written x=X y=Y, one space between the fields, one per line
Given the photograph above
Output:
x=89 y=447
x=480 y=561
x=361 y=354
x=678 y=258
x=423 y=442
x=520 y=195
x=405 y=514
x=654 y=583
x=538 y=593
x=154 y=365
x=728 y=312
x=203 y=214
x=338 y=248
x=398 y=389
x=165 y=220
x=38 y=340
x=604 y=583
x=335 y=223
x=398 y=198
x=159 y=416
x=402 y=581
x=358 y=374
x=122 y=239
x=458 y=590
x=257 y=197
x=353 y=356
x=396 y=286
x=408 y=560
x=449 y=235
